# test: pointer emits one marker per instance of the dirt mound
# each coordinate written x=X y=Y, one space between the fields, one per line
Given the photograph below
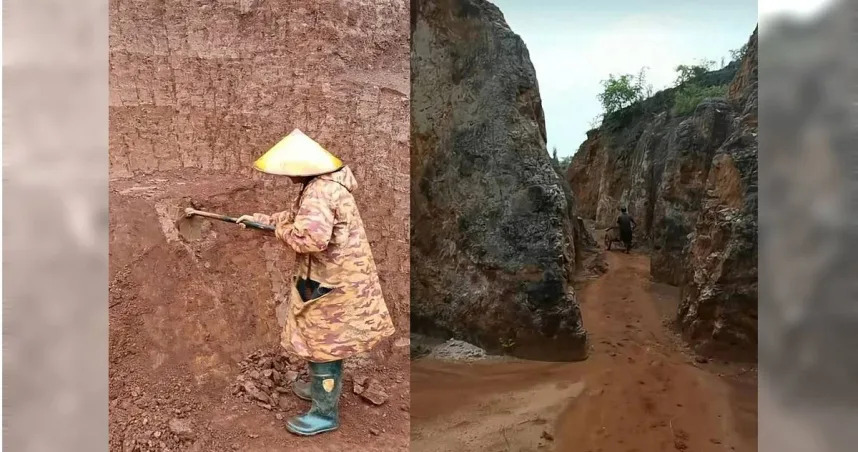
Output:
x=455 y=350
x=267 y=378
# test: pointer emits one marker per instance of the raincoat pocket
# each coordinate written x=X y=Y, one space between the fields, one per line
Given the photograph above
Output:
x=326 y=328
x=297 y=303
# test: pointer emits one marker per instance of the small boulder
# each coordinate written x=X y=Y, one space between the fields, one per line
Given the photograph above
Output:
x=254 y=392
x=181 y=428
x=374 y=393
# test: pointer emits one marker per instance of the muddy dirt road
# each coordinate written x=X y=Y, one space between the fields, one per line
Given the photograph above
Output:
x=640 y=390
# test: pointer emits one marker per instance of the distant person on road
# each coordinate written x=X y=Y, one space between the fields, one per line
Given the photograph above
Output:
x=627 y=226
x=336 y=309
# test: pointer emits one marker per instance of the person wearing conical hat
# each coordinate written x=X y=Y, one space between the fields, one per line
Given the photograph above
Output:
x=336 y=308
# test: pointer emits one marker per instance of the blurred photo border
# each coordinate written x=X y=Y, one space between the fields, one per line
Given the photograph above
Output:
x=808 y=316
x=55 y=225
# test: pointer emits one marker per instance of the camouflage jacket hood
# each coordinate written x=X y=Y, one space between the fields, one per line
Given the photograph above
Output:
x=344 y=177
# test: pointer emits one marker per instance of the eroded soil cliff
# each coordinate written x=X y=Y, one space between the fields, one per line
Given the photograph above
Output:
x=196 y=93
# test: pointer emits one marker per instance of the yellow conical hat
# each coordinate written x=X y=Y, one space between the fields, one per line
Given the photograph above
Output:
x=297 y=155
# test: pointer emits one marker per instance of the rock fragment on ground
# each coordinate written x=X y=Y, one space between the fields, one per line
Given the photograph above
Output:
x=266 y=379
x=370 y=390
x=181 y=428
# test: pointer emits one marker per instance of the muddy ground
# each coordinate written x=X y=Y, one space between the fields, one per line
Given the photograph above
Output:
x=640 y=390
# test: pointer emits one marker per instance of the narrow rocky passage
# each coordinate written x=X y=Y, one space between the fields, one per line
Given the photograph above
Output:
x=640 y=390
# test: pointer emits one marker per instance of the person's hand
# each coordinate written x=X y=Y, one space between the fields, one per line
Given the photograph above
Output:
x=240 y=220
x=257 y=217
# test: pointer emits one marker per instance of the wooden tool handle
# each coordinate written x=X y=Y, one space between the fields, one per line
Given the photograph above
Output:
x=215 y=216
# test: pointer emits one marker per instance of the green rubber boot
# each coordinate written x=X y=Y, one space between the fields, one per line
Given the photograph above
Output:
x=302 y=389
x=326 y=383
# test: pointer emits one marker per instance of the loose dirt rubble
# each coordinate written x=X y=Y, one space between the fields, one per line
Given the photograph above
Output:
x=267 y=380
x=457 y=350
x=641 y=390
x=249 y=415
x=450 y=350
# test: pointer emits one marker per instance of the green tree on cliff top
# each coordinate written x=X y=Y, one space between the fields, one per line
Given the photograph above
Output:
x=624 y=90
x=690 y=72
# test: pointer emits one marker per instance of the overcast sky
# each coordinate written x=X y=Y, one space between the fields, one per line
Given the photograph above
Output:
x=576 y=44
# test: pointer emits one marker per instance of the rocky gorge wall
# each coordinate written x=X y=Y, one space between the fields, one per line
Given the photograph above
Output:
x=654 y=163
x=197 y=92
x=690 y=181
x=495 y=234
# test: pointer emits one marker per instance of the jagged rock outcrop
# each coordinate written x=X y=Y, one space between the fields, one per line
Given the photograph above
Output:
x=623 y=162
x=690 y=182
x=690 y=148
x=718 y=309
x=492 y=228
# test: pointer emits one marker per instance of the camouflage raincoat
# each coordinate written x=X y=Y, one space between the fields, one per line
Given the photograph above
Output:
x=327 y=233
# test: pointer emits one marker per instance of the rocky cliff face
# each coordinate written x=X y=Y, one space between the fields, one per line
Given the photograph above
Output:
x=492 y=228
x=690 y=182
x=718 y=309
x=626 y=161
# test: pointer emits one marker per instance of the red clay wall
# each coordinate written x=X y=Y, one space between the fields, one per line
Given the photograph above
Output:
x=197 y=92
